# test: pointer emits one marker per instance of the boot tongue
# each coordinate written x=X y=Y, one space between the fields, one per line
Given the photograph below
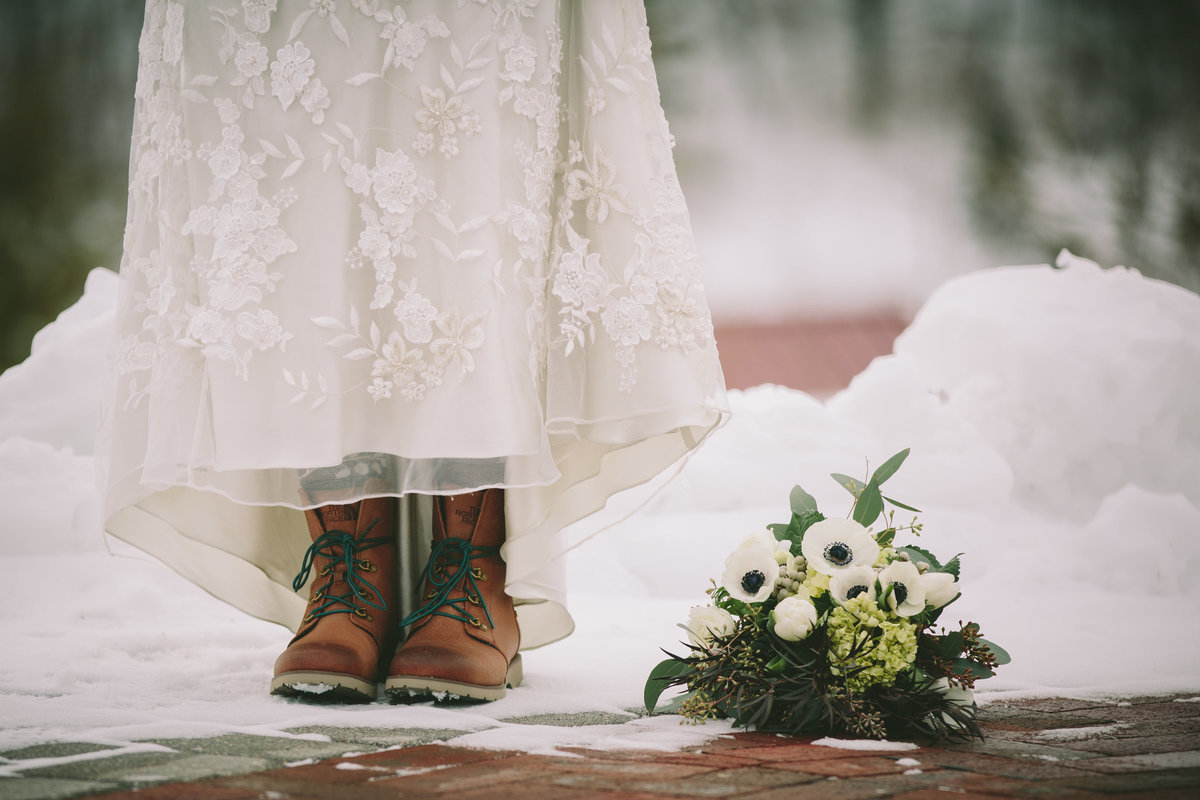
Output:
x=462 y=514
x=340 y=516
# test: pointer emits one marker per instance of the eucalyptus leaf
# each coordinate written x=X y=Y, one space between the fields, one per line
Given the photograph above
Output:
x=886 y=537
x=961 y=666
x=660 y=678
x=888 y=468
x=868 y=506
x=851 y=485
x=1002 y=656
x=801 y=501
x=898 y=504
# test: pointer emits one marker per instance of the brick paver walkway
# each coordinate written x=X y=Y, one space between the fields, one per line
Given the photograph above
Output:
x=1142 y=748
x=818 y=356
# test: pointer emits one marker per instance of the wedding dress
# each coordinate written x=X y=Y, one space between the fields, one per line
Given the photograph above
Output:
x=401 y=248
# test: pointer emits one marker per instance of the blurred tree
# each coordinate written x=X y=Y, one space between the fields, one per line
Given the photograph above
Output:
x=67 y=70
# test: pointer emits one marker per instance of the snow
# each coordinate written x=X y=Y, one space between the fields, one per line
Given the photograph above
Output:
x=1082 y=733
x=1055 y=438
x=881 y=745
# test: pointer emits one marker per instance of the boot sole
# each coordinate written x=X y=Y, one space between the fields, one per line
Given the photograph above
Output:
x=325 y=687
x=401 y=688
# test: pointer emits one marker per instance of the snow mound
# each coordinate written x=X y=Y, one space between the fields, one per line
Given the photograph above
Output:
x=1084 y=380
x=1055 y=438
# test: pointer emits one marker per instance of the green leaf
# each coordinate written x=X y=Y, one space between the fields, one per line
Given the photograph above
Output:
x=777 y=664
x=805 y=521
x=851 y=485
x=660 y=678
x=779 y=530
x=952 y=566
x=886 y=537
x=898 y=504
x=1002 y=656
x=869 y=505
x=794 y=530
x=917 y=554
x=889 y=467
x=801 y=501
x=948 y=646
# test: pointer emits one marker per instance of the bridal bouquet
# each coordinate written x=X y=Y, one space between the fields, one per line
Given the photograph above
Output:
x=824 y=626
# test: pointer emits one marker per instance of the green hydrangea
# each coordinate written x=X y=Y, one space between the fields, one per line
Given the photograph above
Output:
x=816 y=582
x=861 y=634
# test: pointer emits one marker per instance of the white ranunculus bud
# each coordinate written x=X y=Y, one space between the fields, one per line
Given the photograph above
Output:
x=793 y=619
x=705 y=623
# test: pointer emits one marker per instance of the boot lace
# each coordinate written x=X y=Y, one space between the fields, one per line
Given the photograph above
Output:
x=448 y=569
x=342 y=549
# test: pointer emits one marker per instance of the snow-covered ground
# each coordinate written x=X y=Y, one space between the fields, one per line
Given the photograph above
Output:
x=1054 y=422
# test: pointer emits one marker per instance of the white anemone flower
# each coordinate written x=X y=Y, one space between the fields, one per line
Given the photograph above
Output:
x=705 y=623
x=780 y=548
x=940 y=588
x=750 y=573
x=852 y=582
x=836 y=544
x=793 y=619
x=908 y=595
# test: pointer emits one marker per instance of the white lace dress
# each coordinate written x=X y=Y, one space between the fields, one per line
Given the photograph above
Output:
x=400 y=248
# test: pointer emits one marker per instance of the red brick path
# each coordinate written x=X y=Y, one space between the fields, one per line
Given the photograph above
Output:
x=1149 y=748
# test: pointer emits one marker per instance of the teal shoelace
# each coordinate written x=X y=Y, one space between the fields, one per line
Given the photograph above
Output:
x=453 y=554
x=344 y=550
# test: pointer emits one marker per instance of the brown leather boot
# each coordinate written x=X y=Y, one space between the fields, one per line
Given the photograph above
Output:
x=349 y=628
x=464 y=637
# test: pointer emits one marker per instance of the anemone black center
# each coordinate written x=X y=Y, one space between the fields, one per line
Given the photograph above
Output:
x=855 y=591
x=901 y=592
x=753 y=580
x=839 y=553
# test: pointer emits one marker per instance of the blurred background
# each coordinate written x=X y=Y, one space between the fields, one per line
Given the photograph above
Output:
x=841 y=158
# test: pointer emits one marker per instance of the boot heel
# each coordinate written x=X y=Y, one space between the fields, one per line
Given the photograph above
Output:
x=515 y=674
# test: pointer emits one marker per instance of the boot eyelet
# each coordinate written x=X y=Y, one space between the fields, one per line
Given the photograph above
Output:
x=478 y=574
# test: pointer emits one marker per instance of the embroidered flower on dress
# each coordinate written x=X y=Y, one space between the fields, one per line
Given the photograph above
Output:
x=251 y=61
x=627 y=322
x=459 y=338
x=394 y=181
x=519 y=63
x=258 y=14
x=596 y=184
x=290 y=72
x=415 y=313
x=578 y=277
